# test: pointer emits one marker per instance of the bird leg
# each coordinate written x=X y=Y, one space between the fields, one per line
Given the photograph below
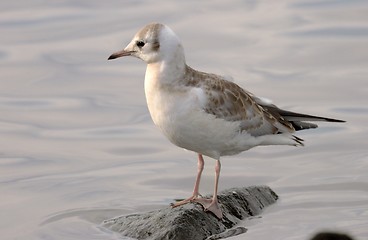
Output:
x=212 y=205
x=196 y=184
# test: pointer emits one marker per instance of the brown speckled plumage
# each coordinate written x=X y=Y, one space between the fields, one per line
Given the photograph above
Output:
x=228 y=101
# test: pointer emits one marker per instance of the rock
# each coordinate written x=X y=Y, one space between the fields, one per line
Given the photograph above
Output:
x=331 y=236
x=191 y=222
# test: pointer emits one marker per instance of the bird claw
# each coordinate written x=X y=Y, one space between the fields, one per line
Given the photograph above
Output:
x=210 y=205
x=185 y=201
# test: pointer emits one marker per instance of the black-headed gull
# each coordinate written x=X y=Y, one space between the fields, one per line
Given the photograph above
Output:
x=204 y=112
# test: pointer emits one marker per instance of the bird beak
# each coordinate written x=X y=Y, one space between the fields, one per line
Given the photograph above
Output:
x=121 y=53
x=127 y=51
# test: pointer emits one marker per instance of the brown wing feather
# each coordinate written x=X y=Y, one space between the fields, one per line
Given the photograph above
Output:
x=228 y=101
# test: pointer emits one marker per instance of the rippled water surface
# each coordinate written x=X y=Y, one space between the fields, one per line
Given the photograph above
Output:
x=77 y=144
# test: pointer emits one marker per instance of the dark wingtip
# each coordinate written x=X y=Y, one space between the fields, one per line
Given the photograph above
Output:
x=334 y=120
x=111 y=57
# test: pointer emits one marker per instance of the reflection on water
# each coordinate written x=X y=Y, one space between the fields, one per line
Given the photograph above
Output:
x=77 y=144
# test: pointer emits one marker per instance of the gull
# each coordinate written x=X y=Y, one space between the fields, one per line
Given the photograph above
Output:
x=204 y=112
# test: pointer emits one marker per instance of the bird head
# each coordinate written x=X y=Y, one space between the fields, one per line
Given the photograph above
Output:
x=153 y=43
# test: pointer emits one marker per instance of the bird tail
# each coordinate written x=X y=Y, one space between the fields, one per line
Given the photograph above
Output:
x=280 y=139
x=298 y=141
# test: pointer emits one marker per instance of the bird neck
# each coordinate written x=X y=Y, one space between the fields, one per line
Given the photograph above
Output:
x=168 y=71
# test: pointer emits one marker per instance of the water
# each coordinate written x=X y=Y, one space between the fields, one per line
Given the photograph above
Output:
x=77 y=144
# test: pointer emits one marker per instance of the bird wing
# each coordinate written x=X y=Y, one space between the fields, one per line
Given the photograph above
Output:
x=226 y=100
x=257 y=116
x=300 y=121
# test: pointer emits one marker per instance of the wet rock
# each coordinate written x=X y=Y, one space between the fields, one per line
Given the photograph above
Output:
x=191 y=222
x=331 y=236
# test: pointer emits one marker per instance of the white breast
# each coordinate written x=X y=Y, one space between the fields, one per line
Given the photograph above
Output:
x=179 y=115
x=169 y=107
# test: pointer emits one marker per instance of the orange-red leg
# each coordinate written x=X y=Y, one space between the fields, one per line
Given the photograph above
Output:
x=212 y=205
x=196 y=184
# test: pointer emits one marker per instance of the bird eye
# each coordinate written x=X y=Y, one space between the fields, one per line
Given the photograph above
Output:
x=140 y=44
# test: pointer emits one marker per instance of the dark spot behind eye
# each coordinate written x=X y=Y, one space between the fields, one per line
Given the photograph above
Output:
x=139 y=43
x=156 y=46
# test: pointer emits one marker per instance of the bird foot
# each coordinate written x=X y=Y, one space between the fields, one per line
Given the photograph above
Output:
x=185 y=201
x=210 y=205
